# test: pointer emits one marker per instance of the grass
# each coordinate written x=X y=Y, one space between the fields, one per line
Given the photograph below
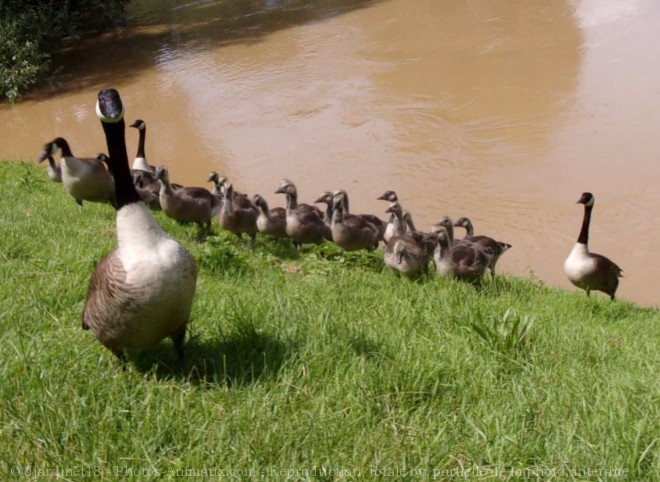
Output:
x=322 y=365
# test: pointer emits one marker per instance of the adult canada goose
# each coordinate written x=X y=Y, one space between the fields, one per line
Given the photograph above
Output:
x=327 y=199
x=496 y=247
x=464 y=261
x=270 y=221
x=187 y=204
x=352 y=232
x=405 y=255
x=234 y=218
x=53 y=170
x=140 y=162
x=86 y=179
x=303 y=222
x=341 y=196
x=590 y=271
x=142 y=291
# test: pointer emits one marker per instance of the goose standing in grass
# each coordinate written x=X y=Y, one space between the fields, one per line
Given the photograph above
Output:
x=352 y=232
x=142 y=291
x=341 y=196
x=86 y=179
x=586 y=270
x=270 y=221
x=392 y=227
x=465 y=261
x=234 y=218
x=187 y=204
x=405 y=255
x=498 y=248
x=303 y=222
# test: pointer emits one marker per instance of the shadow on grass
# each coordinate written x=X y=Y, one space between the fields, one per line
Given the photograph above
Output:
x=240 y=359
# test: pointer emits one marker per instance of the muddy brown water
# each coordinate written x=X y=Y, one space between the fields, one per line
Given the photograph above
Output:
x=504 y=112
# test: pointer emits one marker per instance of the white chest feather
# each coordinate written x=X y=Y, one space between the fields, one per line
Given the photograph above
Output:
x=146 y=251
x=579 y=263
x=141 y=164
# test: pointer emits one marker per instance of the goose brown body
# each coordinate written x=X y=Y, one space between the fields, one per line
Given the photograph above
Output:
x=187 y=204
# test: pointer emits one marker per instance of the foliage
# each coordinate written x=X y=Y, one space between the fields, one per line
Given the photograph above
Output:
x=31 y=31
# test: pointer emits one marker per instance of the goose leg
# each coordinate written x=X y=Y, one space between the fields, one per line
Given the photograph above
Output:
x=178 y=339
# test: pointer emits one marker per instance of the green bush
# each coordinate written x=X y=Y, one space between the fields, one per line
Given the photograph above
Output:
x=31 y=31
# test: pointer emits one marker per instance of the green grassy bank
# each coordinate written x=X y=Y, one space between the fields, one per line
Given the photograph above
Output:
x=318 y=366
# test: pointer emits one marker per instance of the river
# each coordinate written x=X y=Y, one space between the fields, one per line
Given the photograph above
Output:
x=504 y=112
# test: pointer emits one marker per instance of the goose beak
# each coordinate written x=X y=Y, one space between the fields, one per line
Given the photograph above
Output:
x=109 y=106
x=43 y=156
x=382 y=198
x=280 y=190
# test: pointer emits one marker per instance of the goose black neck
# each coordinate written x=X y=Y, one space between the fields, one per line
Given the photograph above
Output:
x=469 y=230
x=66 y=150
x=292 y=201
x=584 y=232
x=143 y=136
x=125 y=192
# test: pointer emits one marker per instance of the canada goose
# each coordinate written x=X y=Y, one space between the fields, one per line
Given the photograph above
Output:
x=140 y=162
x=396 y=226
x=427 y=240
x=391 y=228
x=270 y=221
x=341 y=196
x=187 y=204
x=497 y=247
x=590 y=271
x=352 y=232
x=464 y=261
x=149 y=192
x=405 y=255
x=53 y=170
x=142 y=291
x=86 y=179
x=234 y=218
x=303 y=222
x=327 y=199
x=240 y=200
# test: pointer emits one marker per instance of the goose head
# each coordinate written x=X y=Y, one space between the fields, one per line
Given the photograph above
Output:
x=216 y=179
x=396 y=209
x=388 y=196
x=587 y=199
x=442 y=236
x=103 y=158
x=325 y=198
x=259 y=201
x=286 y=187
x=109 y=107
x=51 y=148
x=340 y=196
x=462 y=222
x=139 y=125
x=162 y=174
